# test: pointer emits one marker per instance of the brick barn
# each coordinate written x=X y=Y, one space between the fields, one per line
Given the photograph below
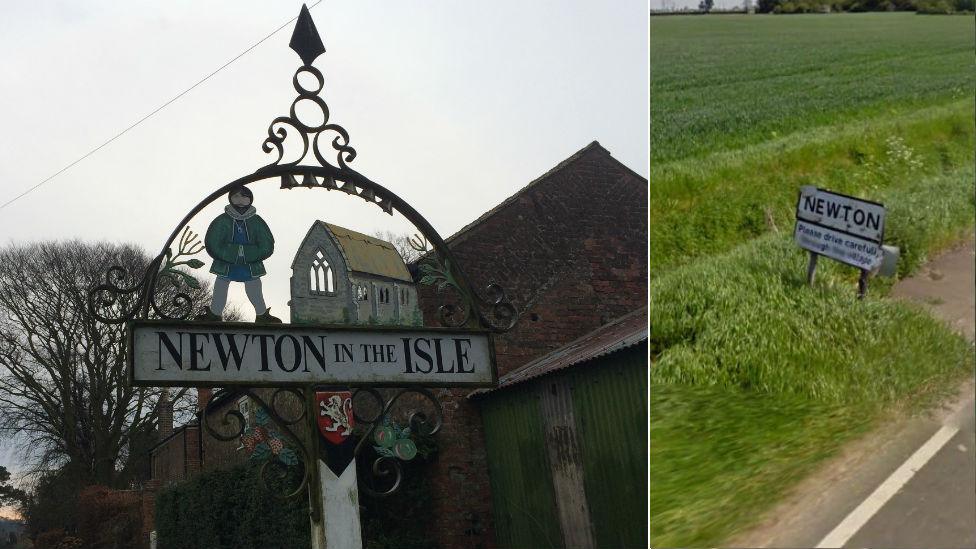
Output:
x=570 y=249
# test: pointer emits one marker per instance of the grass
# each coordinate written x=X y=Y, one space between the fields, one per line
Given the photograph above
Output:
x=721 y=83
x=723 y=455
x=747 y=320
x=757 y=377
x=706 y=205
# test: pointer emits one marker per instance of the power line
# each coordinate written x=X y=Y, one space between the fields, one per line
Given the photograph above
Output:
x=156 y=110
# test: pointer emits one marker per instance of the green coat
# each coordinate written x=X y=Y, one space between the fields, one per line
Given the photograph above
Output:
x=221 y=247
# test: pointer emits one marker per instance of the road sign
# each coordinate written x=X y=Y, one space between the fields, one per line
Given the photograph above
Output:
x=857 y=252
x=861 y=218
x=202 y=354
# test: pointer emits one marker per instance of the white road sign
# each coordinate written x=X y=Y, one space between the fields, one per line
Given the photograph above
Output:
x=858 y=217
x=165 y=353
x=849 y=249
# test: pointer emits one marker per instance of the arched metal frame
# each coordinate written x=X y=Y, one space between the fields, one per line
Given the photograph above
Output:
x=327 y=176
x=495 y=313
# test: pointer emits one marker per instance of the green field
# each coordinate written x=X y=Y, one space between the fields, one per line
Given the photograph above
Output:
x=726 y=82
x=756 y=377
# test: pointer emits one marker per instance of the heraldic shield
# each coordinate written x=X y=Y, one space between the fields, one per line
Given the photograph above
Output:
x=335 y=417
x=336 y=422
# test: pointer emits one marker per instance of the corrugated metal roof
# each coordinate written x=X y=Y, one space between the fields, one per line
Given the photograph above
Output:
x=367 y=254
x=621 y=333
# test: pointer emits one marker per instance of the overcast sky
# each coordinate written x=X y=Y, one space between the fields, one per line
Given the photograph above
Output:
x=452 y=105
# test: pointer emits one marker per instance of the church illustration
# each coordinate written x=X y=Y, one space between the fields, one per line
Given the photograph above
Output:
x=340 y=276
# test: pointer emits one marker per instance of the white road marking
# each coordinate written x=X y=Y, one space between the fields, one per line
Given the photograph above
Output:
x=859 y=516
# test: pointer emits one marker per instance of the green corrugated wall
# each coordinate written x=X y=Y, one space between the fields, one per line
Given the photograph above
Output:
x=610 y=404
x=521 y=485
x=610 y=407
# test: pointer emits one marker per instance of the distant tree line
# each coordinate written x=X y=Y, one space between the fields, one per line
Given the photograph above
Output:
x=825 y=6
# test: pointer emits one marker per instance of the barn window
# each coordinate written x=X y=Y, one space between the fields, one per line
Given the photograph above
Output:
x=321 y=277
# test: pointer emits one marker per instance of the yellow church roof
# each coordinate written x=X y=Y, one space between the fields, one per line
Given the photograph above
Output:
x=367 y=254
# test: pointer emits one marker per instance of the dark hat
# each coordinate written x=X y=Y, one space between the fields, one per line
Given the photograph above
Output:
x=241 y=190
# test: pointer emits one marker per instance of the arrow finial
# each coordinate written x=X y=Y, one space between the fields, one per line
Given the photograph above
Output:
x=305 y=40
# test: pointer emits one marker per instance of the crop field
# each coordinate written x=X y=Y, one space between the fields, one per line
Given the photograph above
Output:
x=757 y=378
x=720 y=83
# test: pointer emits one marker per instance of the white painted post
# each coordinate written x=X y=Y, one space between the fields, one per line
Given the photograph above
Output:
x=340 y=527
x=340 y=505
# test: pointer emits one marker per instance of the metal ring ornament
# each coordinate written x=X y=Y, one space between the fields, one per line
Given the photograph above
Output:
x=295 y=393
x=180 y=301
x=384 y=467
x=220 y=399
x=377 y=398
x=503 y=312
x=302 y=485
x=308 y=69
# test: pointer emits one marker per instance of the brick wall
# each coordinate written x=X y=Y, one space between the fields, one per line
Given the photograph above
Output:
x=169 y=458
x=570 y=250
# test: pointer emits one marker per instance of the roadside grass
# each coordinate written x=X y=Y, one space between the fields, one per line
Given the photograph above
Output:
x=756 y=377
x=721 y=83
x=746 y=318
x=707 y=205
x=719 y=457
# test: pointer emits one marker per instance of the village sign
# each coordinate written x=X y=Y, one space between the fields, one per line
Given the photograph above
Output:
x=328 y=368
x=844 y=228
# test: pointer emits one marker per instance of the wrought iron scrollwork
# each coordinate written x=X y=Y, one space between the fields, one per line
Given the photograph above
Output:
x=278 y=130
x=223 y=420
x=162 y=279
x=386 y=472
x=495 y=313
x=223 y=405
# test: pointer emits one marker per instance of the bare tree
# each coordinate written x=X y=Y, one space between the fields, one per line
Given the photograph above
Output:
x=402 y=244
x=64 y=392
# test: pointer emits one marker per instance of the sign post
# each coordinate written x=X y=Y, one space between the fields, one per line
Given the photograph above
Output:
x=175 y=336
x=841 y=227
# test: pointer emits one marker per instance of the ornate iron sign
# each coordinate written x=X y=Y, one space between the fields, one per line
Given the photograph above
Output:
x=164 y=353
x=238 y=241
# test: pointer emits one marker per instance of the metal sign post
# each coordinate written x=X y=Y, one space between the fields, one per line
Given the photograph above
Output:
x=843 y=228
x=327 y=391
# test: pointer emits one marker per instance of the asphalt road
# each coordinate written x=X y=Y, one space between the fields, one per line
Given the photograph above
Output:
x=937 y=507
x=911 y=483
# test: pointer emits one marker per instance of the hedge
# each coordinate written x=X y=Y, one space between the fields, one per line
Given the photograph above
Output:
x=229 y=509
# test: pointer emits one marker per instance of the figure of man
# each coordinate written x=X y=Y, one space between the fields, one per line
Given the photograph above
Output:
x=239 y=241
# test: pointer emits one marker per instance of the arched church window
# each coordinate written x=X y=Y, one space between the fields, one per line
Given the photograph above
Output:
x=322 y=279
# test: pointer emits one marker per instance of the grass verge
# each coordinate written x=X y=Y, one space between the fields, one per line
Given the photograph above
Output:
x=722 y=456
x=757 y=378
x=708 y=205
